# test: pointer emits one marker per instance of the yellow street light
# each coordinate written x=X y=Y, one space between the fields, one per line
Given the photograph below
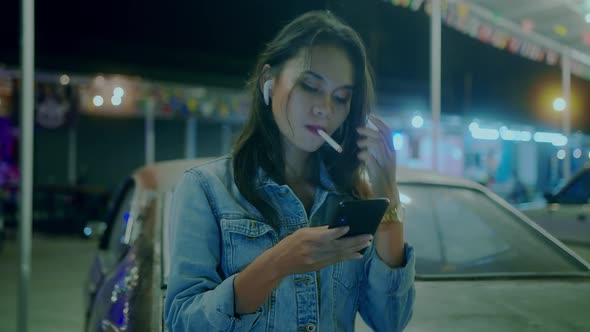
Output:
x=559 y=104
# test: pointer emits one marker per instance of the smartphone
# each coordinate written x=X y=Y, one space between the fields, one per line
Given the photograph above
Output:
x=362 y=216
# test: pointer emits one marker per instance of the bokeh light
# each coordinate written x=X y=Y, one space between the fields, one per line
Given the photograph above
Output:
x=97 y=101
x=559 y=104
x=64 y=79
x=417 y=121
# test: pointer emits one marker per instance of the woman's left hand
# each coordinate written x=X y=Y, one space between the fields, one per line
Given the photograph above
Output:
x=378 y=153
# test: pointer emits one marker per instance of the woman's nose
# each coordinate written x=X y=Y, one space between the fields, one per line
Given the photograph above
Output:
x=323 y=107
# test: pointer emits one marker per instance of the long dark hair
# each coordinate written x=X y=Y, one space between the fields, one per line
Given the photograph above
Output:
x=259 y=144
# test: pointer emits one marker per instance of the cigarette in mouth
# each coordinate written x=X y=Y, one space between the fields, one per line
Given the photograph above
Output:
x=330 y=141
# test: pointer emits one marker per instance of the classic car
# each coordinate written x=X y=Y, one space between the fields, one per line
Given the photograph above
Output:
x=481 y=264
x=566 y=211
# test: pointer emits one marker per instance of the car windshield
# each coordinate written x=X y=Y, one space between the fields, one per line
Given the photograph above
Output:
x=462 y=231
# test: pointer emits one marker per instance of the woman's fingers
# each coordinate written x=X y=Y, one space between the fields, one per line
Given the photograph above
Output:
x=331 y=234
x=351 y=251
x=377 y=134
x=371 y=163
x=386 y=140
x=340 y=246
x=369 y=132
x=352 y=241
x=377 y=147
x=384 y=130
x=387 y=135
x=379 y=140
x=314 y=248
x=340 y=253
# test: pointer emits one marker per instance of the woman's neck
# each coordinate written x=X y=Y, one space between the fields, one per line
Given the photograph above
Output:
x=299 y=168
x=297 y=171
x=298 y=177
x=297 y=164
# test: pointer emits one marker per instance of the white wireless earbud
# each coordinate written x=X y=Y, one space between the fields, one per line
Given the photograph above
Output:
x=266 y=91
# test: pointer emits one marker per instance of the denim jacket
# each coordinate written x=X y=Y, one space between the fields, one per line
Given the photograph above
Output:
x=215 y=233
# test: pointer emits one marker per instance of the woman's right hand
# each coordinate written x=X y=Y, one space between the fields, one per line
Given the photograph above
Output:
x=313 y=248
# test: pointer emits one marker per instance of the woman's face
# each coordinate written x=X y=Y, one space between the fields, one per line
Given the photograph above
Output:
x=306 y=98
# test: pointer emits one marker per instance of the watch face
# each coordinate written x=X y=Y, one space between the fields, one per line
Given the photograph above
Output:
x=401 y=213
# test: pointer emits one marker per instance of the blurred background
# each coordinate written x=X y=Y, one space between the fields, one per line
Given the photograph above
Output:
x=121 y=84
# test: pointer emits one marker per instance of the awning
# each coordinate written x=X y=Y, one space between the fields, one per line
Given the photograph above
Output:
x=541 y=30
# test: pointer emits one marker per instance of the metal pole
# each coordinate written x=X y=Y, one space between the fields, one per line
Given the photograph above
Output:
x=225 y=138
x=435 y=77
x=72 y=155
x=190 y=138
x=566 y=90
x=150 y=138
x=554 y=171
x=26 y=159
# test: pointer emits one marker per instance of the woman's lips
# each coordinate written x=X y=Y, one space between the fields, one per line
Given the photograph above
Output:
x=314 y=129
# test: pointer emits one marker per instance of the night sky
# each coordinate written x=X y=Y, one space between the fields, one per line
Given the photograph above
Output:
x=216 y=42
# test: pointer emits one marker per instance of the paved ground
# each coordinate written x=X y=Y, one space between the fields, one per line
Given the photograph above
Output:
x=59 y=268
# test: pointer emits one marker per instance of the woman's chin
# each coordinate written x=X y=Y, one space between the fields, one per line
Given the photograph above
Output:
x=310 y=148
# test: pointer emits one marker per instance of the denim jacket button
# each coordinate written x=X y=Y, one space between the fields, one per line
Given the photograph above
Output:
x=284 y=193
x=310 y=327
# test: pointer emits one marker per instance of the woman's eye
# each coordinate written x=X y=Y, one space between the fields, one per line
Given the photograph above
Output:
x=341 y=99
x=308 y=87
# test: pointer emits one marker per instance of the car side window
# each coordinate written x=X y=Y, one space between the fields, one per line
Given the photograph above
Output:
x=166 y=233
x=421 y=228
x=459 y=230
x=111 y=243
x=576 y=192
x=457 y=219
x=439 y=221
x=116 y=245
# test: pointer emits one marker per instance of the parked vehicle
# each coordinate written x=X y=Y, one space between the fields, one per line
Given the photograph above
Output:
x=125 y=278
x=61 y=209
x=481 y=264
x=566 y=212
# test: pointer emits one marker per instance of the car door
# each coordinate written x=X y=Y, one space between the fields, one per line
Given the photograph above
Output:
x=567 y=214
x=109 y=264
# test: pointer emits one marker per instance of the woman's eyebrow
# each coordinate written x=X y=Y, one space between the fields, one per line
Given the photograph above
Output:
x=320 y=77
x=315 y=75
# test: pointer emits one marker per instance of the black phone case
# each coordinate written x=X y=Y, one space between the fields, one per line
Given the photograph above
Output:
x=363 y=216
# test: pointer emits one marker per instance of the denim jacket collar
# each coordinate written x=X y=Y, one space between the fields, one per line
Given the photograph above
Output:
x=264 y=181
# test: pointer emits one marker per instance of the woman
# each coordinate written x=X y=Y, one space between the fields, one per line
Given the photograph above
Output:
x=250 y=251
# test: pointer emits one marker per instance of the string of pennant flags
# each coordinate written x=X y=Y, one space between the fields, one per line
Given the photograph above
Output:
x=459 y=16
x=58 y=105
x=97 y=96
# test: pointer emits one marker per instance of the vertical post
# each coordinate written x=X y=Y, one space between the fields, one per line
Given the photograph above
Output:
x=225 y=138
x=150 y=137
x=566 y=90
x=467 y=90
x=26 y=159
x=72 y=154
x=554 y=170
x=190 y=143
x=435 y=77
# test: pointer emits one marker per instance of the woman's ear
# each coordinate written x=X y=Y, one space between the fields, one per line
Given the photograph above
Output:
x=266 y=83
x=267 y=90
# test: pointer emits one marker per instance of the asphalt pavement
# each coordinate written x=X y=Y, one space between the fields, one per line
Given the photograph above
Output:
x=58 y=271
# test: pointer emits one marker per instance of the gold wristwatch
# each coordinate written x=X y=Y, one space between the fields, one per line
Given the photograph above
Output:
x=394 y=215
